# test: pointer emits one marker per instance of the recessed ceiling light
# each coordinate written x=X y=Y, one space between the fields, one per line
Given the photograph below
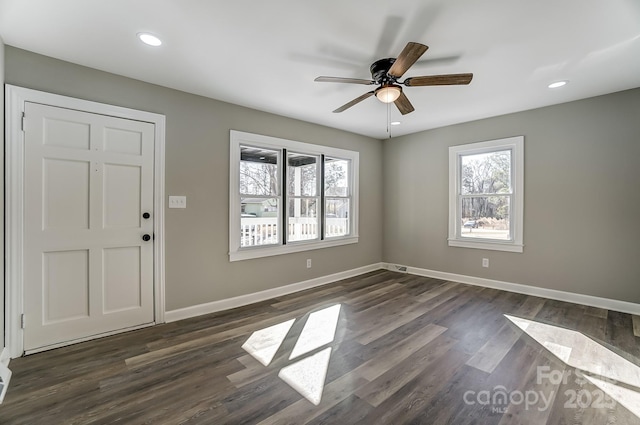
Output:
x=395 y=123
x=149 y=39
x=557 y=84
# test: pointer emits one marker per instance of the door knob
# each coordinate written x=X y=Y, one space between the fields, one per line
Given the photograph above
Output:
x=146 y=238
x=146 y=215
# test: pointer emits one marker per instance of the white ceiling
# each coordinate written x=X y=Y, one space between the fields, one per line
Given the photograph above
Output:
x=266 y=54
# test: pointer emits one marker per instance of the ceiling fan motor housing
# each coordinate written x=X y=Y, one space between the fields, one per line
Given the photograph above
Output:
x=379 y=70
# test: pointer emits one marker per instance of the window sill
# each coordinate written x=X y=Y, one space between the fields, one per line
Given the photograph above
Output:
x=269 y=251
x=490 y=245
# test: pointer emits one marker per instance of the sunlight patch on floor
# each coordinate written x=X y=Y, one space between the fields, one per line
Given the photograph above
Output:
x=627 y=397
x=319 y=330
x=263 y=344
x=613 y=374
x=306 y=375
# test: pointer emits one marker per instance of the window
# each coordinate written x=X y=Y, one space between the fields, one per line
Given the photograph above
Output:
x=486 y=182
x=336 y=190
x=304 y=197
x=288 y=196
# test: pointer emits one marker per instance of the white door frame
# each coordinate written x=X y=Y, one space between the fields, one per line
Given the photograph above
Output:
x=15 y=98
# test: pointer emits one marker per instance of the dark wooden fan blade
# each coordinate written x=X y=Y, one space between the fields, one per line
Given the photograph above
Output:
x=353 y=102
x=439 y=80
x=403 y=104
x=409 y=55
x=344 y=80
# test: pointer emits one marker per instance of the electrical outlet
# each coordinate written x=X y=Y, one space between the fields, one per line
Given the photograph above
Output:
x=177 y=202
x=485 y=262
x=308 y=263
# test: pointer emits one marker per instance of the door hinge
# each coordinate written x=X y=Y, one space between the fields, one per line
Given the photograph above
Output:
x=23 y=123
x=22 y=321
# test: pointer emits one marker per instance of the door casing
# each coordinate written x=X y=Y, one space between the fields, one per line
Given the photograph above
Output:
x=15 y=98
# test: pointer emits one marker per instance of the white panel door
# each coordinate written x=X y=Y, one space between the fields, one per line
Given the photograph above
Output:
x=88 y=183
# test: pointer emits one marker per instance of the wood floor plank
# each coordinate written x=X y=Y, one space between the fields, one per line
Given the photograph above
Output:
x=370 y=294
x=489 y=356
x=310 y=295
x=620 y=336
x=438 y=290
x=390 y=382
x=389 y=323
x=405 y=349
x=350 y=410
x=252 y=371
x=394 y=303
x=593 y=326
x=303 y=411
x=68 y=388
x=411 y=401
x=213 y=329
x=595 y=311
x=386 y=317
x=382 y=363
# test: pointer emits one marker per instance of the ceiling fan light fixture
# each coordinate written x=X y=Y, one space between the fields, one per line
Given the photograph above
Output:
x=388 y=94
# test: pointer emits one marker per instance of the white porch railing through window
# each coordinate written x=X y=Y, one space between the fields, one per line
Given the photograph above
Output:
x=335 y=226
x=302 y=228
x=256 y=231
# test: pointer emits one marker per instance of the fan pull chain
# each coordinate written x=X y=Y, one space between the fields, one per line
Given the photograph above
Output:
x=389 y=119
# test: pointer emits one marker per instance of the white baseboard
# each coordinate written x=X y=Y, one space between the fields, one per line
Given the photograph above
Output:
x=242 y=300
x=589 y=300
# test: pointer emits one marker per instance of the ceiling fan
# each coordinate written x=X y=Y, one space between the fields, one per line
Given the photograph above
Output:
x=386 y=72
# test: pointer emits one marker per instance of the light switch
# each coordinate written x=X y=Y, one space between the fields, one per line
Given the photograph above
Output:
x=177 y=202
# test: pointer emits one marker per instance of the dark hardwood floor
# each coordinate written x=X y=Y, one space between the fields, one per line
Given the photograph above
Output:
x=381 y=348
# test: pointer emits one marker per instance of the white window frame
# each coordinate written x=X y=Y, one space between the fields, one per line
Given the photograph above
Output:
x=516 y=146
x=239 y=138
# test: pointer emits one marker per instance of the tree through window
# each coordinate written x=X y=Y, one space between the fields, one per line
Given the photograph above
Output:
x=486 y=195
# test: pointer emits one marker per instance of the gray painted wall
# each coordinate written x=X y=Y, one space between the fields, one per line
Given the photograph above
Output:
x=582 y=198
x=197 y=165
